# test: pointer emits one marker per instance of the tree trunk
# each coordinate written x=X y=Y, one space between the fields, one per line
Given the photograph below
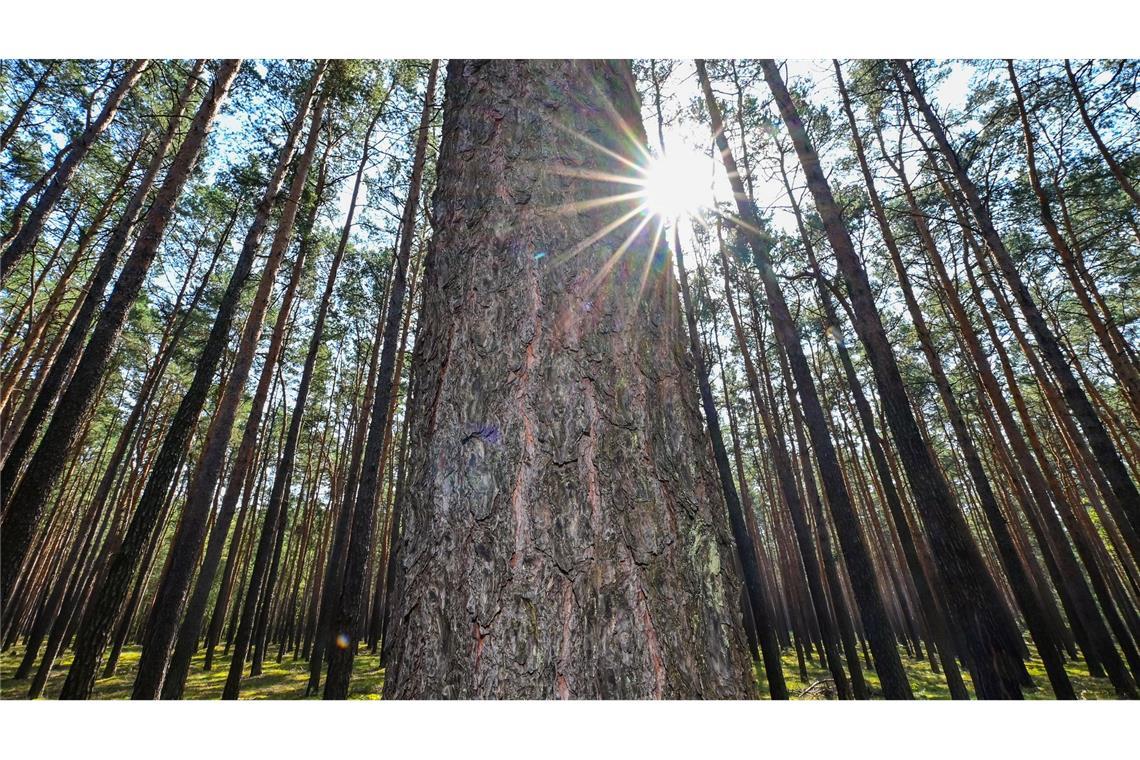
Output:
x=25 y=240
x=31 y=495
x=1113 y=165
x=970 y=591
x=186 y=549
x=1099 y=441
x=888 y=663
x=565 y=535
x=347 y=616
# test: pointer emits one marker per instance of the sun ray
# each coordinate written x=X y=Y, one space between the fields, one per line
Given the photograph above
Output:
x=649 y=259
x=569 y=171
x=573 y=207
x=616 y=255
x=607 y=229
x=593 y=143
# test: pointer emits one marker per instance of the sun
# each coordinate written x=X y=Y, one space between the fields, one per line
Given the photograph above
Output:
x=677 y=184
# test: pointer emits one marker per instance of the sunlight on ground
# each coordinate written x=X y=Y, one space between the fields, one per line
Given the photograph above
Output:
x=277 y=681
x=927 y=684
x=287 y=680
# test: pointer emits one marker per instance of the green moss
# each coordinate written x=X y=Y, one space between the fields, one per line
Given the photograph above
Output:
x=277 y=681
x=930 y=685
x=287 y=680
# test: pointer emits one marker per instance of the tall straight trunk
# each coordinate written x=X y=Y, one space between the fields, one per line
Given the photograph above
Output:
x=31 y=339
x=565 y=535
x=1113 y=165
x=1097 y=437
x=22 y=111
x=970 y=592
x=254 y=477
x=177 y=436
x=56 y=376
x=1035 y=617
x=757 y=607
x=931 y=607
x=376 y=615
x=888 y=663
x=342 y=520
x=31 y=494
x=1126 y=371
x=25 y=240
x=778 y=447
x=162 y=627
x=347 y=616
x=187 y=637
x=62 y=603
x=390 y=568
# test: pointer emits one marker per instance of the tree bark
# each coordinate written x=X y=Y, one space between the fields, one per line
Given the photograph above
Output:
x=565 y=535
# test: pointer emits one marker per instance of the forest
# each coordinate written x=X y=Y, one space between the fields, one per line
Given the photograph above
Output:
x=570 y=379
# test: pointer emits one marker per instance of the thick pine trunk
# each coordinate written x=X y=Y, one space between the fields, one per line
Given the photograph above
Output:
x=565 y=535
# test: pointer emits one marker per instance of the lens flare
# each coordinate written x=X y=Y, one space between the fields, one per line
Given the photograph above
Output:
x=677 y=184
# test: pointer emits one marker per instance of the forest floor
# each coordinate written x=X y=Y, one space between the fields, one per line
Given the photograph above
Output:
x=927 y=684
x=277 y=681
x=287 y=679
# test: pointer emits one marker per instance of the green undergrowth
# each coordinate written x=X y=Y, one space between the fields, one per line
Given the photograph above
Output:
x=925 y=683
x=277 y=681
x=287 y=679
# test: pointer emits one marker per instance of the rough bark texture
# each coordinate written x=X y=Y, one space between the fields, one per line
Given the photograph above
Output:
x=565 y=535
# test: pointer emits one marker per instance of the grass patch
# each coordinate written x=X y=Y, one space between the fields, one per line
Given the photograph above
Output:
x=277 y=681
x=287 y=679
x=927 y=684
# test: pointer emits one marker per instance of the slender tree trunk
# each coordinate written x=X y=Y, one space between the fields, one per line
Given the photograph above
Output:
x=29 y=498
x=25 y=240
x=1099 y=441
x=887 y=660
x=757 y=607
x=56 y=377
x=162 y=627
x=22 y=110
x=1113 y=165
x=348 y=615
